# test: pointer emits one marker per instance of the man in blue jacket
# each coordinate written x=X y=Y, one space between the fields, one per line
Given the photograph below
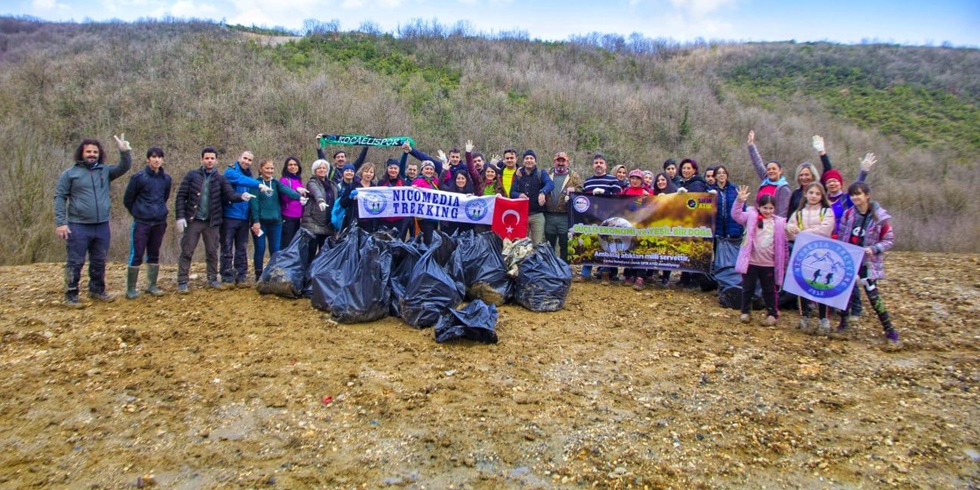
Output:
x=534 y=184
x=81 y=215
x=146 y=199
x=235 y=225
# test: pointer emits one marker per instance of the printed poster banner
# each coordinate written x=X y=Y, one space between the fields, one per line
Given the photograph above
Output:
x=363 y=140
x=823 y=270
x=667 y=232
x=402 y=202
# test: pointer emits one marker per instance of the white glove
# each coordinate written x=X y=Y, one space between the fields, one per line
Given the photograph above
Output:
x=681 y=189
x=566 y=198
x=246 y=196
x=323 y=206
x=264 y=188
x=598 y=192
x=818 y=143
x=181 y=225
x=469 y=146
x=868 y=161
x=303 y=200
x=442 y=156
x=712 y=191
x=302 y=190
x=122 y=143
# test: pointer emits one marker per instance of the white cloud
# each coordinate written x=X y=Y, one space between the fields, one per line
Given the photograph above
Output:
x=43 y=5
x=701 y=8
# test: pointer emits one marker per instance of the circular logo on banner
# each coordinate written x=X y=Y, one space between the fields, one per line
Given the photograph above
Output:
x=617 y=243
x=823 y=268
x=375 y=204
x=476 y=209
x=691 y=204
x=581 y=204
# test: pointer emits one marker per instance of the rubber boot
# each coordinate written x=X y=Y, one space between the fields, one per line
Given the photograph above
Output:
x=152 y=272
x=132 y=275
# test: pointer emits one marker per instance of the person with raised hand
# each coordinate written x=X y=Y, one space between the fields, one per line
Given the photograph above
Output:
x=422 y=157
x=773 y=183
x=81 y=215
x=146 y=199
x=199 y=215
x=763 y=255
x=336 y=172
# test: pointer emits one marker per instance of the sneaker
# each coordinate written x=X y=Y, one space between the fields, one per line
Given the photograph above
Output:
x=605 y=279
x=892 y=336
x=824 y=328
x=744 y=318
x=183 y=289
x=103 y=296
x=215 y=285
x=804 y=324
x=581 y=278
x=71 y=300
x=638 y=285
x=627 y=281
x=770 y=321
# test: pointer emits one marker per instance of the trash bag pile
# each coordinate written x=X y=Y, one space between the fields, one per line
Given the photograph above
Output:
x=543 y=280
x=351 y=280
x=287 y=271
x=475 y=321
x=436 y=283
x=483 y=268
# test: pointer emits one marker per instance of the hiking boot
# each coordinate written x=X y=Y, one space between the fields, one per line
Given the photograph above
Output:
x=770 y=321
x=824 y=328
x=744 y=318
x=182 y=288
x=152 y=272
x=638 y=285
x=627 y=281
x=891 y=336
x=215 y=284
x=103 y=296
x=132 y=275
x=582 y=278
x=804 y=324
x=605 y=279
x=71 y=299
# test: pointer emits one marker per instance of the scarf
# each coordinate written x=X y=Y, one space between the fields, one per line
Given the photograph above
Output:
x=778 y=183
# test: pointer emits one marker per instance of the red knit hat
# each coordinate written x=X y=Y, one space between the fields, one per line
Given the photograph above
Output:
x=832 y=174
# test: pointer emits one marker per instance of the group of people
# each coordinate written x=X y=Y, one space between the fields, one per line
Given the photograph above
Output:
x=224 y=208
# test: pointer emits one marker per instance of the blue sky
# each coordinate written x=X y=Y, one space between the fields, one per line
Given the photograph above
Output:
x=893 y=21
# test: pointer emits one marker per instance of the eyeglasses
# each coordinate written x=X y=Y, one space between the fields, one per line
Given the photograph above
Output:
x=561 y=160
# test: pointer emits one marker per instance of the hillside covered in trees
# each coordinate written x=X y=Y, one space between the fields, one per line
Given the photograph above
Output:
x=184 y=85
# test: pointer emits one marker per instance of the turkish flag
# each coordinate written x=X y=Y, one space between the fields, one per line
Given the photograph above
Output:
x=510 y=218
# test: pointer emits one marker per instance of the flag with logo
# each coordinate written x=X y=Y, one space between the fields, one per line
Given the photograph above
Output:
x=823 y=270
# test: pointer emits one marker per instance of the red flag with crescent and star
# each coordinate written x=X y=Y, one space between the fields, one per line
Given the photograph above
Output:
x=510 y=218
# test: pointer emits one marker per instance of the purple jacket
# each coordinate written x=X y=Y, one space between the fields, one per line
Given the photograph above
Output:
x=291 y=208
x=878 y=234
x=747 y=219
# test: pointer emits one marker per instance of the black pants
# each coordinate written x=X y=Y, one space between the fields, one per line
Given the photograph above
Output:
x=316 y=244
x=427 y=227
x=289 y=228
x=146 y=240
x=766 y=276
x=234 y=249
x=91 y=240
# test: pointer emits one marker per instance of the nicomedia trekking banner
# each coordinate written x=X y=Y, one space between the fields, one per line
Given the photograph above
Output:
x=823 y=270
x=667 y=232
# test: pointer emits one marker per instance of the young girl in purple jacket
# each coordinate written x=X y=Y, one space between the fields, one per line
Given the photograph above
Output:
x=762 y=256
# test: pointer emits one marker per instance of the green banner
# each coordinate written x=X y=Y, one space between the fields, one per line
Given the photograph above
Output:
x=363 y=140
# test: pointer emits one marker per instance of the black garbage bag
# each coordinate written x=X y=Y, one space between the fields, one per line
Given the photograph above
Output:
x=723 y=272
x=287 y=271
x=404 y=256
x=543 y=280
x=365 y=292
x=329 y=270
x=475 y=321
x=484 y=272
x=436 y=284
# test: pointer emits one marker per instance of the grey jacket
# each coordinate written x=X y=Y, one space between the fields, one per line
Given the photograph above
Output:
x=82 y=193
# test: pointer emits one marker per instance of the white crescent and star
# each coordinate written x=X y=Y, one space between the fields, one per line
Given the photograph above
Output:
x=503 y=217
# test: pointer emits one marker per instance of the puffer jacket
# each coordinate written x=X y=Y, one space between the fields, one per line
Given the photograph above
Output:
x=189 y=195
x=725 y=225
x=147 y=195
x=242 y=181
x=878 y=234
x=750 y=215
x=82 y=192
x=318 y=222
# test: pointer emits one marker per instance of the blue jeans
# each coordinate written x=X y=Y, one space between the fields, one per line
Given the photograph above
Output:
x=613 y=271
x=272 y=233
x=91 y=240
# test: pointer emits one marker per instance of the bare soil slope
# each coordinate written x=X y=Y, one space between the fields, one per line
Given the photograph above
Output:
x=621 y=389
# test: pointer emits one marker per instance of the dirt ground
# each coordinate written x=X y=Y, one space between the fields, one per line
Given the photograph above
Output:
x=621 y=389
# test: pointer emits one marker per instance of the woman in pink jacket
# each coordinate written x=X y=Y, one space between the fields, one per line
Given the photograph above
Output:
x=763 y=254
x=292 y=209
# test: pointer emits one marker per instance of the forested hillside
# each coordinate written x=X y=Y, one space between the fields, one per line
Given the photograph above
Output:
x=184 y=85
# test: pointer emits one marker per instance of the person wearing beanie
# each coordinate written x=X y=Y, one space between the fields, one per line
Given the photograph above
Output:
x=556 y=204
x=428 y=180
x=771 y=174
x=534 y=184
x=347 y=193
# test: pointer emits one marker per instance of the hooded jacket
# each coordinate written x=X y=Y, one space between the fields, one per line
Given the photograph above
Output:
x=878 y=235
x=82 y=192
x=241 y=181
x=747 y=219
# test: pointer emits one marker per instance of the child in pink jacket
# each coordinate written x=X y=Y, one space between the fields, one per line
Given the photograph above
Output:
x=763 y=254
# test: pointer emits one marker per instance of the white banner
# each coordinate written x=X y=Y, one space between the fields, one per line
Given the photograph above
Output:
x=402 y=202
x=823 y=270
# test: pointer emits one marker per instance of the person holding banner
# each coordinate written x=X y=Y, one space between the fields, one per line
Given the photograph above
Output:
x=634 y=277
x=599 y=183
x=316 y=213
x=814 y=216
x=365 y=178
x=336 y=173
x=690 y=180
x=393 y=178
x=460 y=184
x=427 y=180
x=556 y=205
x=534 y=184
x=762 y=257
x=422 y=157
x=773 y=182
x=868 y=225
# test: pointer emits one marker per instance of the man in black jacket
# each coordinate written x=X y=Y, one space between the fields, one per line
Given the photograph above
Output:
x=199 y=213
x=146 y=199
